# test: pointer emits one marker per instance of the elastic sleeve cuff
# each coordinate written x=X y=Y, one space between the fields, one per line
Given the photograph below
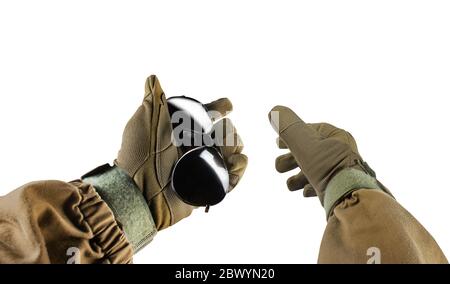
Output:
x=106 y=231
x=127 y=203
x=344 y=183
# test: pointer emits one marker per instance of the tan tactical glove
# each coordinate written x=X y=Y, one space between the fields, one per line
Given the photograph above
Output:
x=331 y=166
x=148 y=155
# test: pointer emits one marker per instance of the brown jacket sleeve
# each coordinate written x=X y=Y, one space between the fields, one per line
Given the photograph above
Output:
x=58 y=222
x=370 y=226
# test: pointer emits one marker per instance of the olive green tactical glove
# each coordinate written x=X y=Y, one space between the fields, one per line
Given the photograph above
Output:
x=331 y=166
x=148 y=156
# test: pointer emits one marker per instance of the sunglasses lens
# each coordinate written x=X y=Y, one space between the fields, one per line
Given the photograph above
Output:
x=200 y=177
x=189 y=114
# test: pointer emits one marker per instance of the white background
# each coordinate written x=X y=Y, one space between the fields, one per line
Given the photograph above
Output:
x=72 y=73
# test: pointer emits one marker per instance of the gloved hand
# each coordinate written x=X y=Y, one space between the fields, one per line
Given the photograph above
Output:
x=322 y=152
x=148 y=156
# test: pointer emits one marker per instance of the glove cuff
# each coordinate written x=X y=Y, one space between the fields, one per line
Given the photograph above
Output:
x=126 y=202
x=344 y=183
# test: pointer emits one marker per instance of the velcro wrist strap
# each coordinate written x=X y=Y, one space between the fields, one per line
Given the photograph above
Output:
x=344 y=183
x=126 y=201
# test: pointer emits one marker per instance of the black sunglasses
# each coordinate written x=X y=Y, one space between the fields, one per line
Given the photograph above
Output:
x=200 y=177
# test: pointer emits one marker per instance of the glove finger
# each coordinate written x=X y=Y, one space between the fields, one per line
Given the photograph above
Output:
x=153 y=89
x=285 y=163
x=227 y=138
x=154 y=101
x=236 y=165
x=219 y=108
x=297 y=182
x=230 y=145
x=296 y=134
x=308 y=191
x=281 y=143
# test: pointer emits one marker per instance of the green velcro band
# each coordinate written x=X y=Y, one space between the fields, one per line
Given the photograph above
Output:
x=127 y=203
x=344 y=183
